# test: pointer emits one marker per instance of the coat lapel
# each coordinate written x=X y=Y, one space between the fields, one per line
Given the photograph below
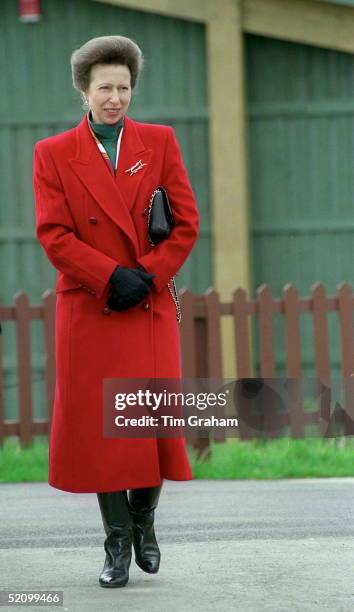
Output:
x=133 y=164
x=111 y=193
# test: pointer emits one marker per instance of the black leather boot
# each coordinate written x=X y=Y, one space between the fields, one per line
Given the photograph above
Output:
x=117 y=524
x=143 y=503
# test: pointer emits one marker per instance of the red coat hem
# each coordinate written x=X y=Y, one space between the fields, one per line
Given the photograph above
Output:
x=154 y=483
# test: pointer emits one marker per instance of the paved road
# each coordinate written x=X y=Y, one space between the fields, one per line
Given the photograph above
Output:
x=250 y=546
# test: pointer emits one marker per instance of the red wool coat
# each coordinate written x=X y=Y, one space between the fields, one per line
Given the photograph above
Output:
x=88 y=222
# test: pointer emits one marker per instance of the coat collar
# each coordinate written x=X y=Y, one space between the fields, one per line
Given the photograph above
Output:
x=116 y=195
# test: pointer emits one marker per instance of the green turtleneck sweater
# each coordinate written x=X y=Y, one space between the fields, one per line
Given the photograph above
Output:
x=108 y=136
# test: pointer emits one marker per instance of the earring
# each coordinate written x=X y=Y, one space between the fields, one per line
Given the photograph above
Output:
x=85 y=103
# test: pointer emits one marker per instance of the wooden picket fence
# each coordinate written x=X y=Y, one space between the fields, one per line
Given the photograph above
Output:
x=202 y=358
x=22 y=313
x=202 y=353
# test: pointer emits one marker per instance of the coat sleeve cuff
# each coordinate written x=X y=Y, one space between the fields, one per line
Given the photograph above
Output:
x=160 y=280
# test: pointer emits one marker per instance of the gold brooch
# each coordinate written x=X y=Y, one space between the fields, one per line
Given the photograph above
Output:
x=133 y=169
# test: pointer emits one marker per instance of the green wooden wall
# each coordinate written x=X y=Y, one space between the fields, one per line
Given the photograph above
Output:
x=301 y=126
x=38 y=100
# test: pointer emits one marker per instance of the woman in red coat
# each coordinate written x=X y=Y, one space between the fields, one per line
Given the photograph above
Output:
x=116 y=316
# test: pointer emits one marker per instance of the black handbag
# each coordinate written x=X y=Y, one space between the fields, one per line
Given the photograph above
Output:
x=160 y=223
x=160 y=216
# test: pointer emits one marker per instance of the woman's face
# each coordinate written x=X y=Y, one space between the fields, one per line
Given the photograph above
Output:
x=109 y=92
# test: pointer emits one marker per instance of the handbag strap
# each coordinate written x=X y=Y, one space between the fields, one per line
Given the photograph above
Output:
x=149 y=214
x=173 y=291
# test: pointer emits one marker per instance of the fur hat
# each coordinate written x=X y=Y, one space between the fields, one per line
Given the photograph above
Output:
x=105 y=50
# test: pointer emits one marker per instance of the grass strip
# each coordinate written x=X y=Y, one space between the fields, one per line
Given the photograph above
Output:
x=233 y=459
x=280 y=458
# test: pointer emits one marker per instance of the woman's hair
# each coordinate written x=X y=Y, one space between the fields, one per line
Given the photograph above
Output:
x=105 y=50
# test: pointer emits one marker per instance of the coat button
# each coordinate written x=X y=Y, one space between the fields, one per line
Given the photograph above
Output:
x=93 y=220
x=106 y=310
x=146 y=306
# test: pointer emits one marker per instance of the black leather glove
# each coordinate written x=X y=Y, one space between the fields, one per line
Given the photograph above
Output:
x=128 y=287
x=146 y=276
